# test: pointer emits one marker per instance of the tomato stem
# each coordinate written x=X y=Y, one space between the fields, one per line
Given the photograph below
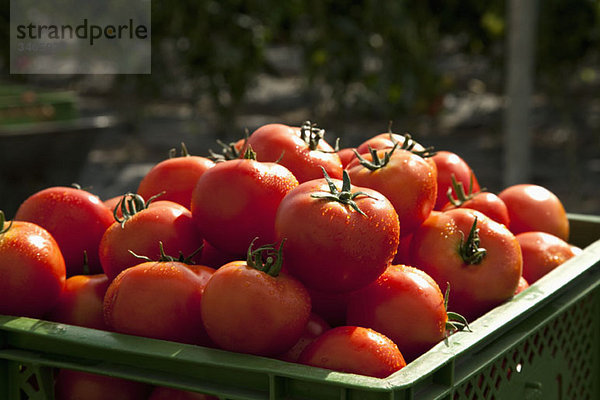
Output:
x=469 y=249
x=409 y=144
x=164 y=257
x=345 y=196
x=184 y=151
x=459 y=190
x=311 y=134
x=376 y=161
x=266 y=258
x=2 y=222
x=455 y=321
x=130 y=204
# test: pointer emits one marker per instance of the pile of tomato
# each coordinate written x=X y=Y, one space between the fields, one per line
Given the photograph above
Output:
x=282 y=245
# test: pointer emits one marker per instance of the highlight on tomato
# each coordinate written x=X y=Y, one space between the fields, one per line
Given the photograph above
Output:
x=339 y=237
x=451 y=164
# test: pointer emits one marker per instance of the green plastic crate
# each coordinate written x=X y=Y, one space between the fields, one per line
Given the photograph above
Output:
x=543 y=344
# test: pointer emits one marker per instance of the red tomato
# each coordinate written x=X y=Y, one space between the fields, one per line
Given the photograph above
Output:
x=523 y=284
x=478 y=257
x=81 y=301
x=166 y=393
x=535 y=208
x=339 y=238
x=71 y=385
x=356 y=350
x=450 y=164
x=249 y=307
x=346 y=155
x=236 y=201
x=215 y=258
x=314 y=328
x=161 y=300
x=543 y=252
x=75 y=218
x=485 y=202
x=302 y=150
x=406 y=305
x=145 y=226
x=32 y=269
x=176 y=177
x=331 y=306
x=406 y=179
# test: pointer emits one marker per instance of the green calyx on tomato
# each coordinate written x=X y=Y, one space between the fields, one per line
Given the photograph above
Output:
x=184 y=151
x=469 y=249
x=167 y=258
x=130 y=204
x=461 y=196
x=229 y=151
x=266 y=258
x=409 y=145
x=376 y=160
x=345 y=196
x=2 y=222
x=455 y=322
x=311 y=134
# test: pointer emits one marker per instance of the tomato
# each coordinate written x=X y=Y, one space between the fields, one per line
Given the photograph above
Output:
x=339 y=238
x=486 y=202
x=215 y=258
x=175 y=178
x=543 y=252
x=314 y=328
x=406 y=305
x=32 y=269
x=250 y=307
x=166 y=393
x=236 y=201
x=71 y=385
x=113 y=203
x=302 y=150
x=523 y=284
x=331 y=306
x=80 y=303
x=477 y=256
x=535 y=208
x=157 y=299
x=76 y=219
x=144 y=226
x=406 y=179
x=356 y=350
x=346 y=155
x=448 y=165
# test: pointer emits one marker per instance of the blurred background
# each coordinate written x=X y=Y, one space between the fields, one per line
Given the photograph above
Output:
x=439 y=70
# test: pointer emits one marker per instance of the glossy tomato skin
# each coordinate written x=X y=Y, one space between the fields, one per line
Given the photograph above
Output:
x=489 y=204
x=76 y=219
x=314 y=328
x=32 y=269
x=474 y=288
x=248 y=311
x=346 y=155
x=81 y=301
x=167 y=393
x=281 y=142
x=523 y=284
x=543 y=252
x=448 y=164
x=330 y=246
x=406 y=305
x=407 y=180
x=355 y=350
x=163 y=221
x=176 y=177
x=71 y=385
x=236 y=201
x=160 y=300
x=535 y=208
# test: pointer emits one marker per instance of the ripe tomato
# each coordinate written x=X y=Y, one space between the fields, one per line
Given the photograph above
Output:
x=331 y=306
x=72 y=385
x=302 y=150
x=339 y=238
x=166 y=393
x=406 y=305
x=486 y=202
x=535 y=208
x=406 y=179
x=523 y=284
x=478 y=257
x=236 y=201
x=75 y=218
x=543 y=252
x=32 y=269
x=80 y=303
x=356 y=350
x=250 y=307
x=141 y=230
x=171 y=295
x=346 y=155
x=450 y=164
x=314 y=328
x=176 y=177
